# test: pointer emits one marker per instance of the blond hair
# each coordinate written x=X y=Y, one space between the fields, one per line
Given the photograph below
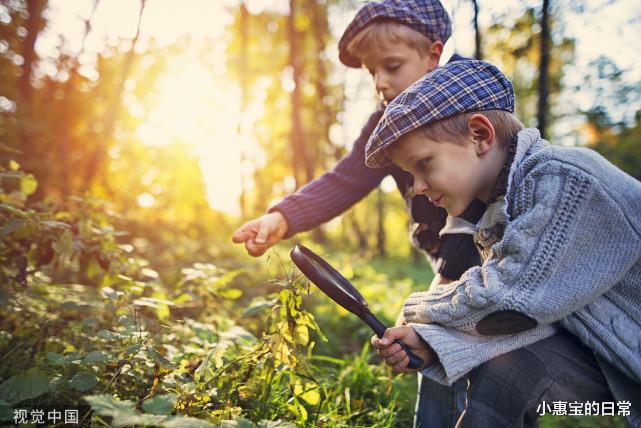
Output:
x=506 y=126
x=385 y=31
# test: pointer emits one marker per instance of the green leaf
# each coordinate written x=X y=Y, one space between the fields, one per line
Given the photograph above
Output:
x=257 y=306
x=134 y=349
x=239 y=335
x=152 y=302
x=24 y=386
x=276 y=424
x=230 y=293
x=13 y=210
x=11 y=226
x=90 y=322
x=186 y=422
x=122 y=412
x=93 y=268
x=83 y=381
x=64 y=245
x=56 y=358
x=76 y=307
x=106 y=405
x=111 y=294
x=109 y=336
x=72 y=358
x=28 y=184
x=157 y=358
x=311 y=395
x=160 y=404
x=239 y=422
x=5 y=411
x=54 y=224
x=227 y=278
x=96 y=357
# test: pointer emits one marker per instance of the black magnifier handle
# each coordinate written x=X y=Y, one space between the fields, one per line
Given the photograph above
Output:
x=379 y=328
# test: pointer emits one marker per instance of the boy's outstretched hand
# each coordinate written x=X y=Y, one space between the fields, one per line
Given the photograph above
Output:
x=261 y=233
x=394 y=356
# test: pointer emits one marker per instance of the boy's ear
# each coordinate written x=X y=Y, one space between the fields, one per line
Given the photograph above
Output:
x=434 y=54
x=482 y=133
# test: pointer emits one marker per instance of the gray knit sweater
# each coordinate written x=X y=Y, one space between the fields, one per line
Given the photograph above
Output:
x=563 y=247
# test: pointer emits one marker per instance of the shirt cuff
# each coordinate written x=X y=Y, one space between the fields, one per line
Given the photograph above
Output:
x=459 y=352
x=294 y=216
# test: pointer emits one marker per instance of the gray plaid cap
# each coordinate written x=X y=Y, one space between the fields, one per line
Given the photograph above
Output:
x=428 y=17
x=456 y=87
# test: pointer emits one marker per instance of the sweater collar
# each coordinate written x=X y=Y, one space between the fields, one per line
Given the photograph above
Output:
x=529 y=141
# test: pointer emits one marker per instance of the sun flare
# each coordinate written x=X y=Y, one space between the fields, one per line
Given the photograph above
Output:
x=198 y=108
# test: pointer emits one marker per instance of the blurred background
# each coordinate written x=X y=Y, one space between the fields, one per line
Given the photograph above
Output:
x=136 y=135
x=213 y=110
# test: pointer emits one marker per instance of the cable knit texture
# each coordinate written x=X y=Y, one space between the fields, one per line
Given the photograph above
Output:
x=563 y=247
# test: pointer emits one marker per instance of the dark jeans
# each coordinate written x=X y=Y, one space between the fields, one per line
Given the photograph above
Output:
x=508 y=391
x=439 y=405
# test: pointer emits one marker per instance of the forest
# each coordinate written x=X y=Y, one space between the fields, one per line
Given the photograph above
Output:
x=136 y=136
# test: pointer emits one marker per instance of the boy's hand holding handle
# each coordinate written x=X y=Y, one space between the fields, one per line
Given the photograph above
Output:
x=391 y=350
x=261 y=233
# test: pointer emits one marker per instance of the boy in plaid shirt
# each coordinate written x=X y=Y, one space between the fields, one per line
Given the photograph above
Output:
x=397 y=41
x=554 y=312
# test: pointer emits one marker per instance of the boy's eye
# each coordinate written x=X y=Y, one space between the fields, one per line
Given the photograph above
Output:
x=422 y=164
x=393 y=67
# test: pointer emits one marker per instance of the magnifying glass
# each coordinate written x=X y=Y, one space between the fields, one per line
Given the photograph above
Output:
x=340 y=290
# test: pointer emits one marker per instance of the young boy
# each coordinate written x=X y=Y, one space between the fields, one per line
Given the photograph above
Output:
x=397 y=41
x=554 y=313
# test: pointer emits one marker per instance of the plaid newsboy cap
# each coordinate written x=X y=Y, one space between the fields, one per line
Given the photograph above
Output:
x=428 y=17
x=456 y=87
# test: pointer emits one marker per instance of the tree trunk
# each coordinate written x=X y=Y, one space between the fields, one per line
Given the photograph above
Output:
x=66 y=188
x=477 y=32
x=544 y=71
x=320 y=29
x=242 y=67
x=380 y=225
x=33 y=26
x=296 y=133
x=361 y=235
x=98 y=155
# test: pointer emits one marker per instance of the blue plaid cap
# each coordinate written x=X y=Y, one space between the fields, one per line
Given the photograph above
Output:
x=428 y=17
x=457 y=87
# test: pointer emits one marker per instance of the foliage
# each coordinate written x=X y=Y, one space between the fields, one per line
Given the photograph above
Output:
x=514 y=45
x=87 y=317
x=623 y=149
x=614 y=120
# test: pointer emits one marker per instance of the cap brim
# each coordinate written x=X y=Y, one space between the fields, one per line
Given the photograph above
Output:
x=378 y=159
x=349 y=59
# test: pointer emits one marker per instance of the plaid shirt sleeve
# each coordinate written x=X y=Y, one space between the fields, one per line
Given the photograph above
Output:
x=335 y=191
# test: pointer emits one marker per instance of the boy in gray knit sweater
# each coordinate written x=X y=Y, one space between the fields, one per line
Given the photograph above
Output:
x=553 y=316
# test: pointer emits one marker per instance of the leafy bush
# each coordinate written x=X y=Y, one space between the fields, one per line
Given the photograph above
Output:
x=89 y=324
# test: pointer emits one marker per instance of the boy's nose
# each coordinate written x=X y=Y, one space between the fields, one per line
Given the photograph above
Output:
x=380 y=82
x=420 y=187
